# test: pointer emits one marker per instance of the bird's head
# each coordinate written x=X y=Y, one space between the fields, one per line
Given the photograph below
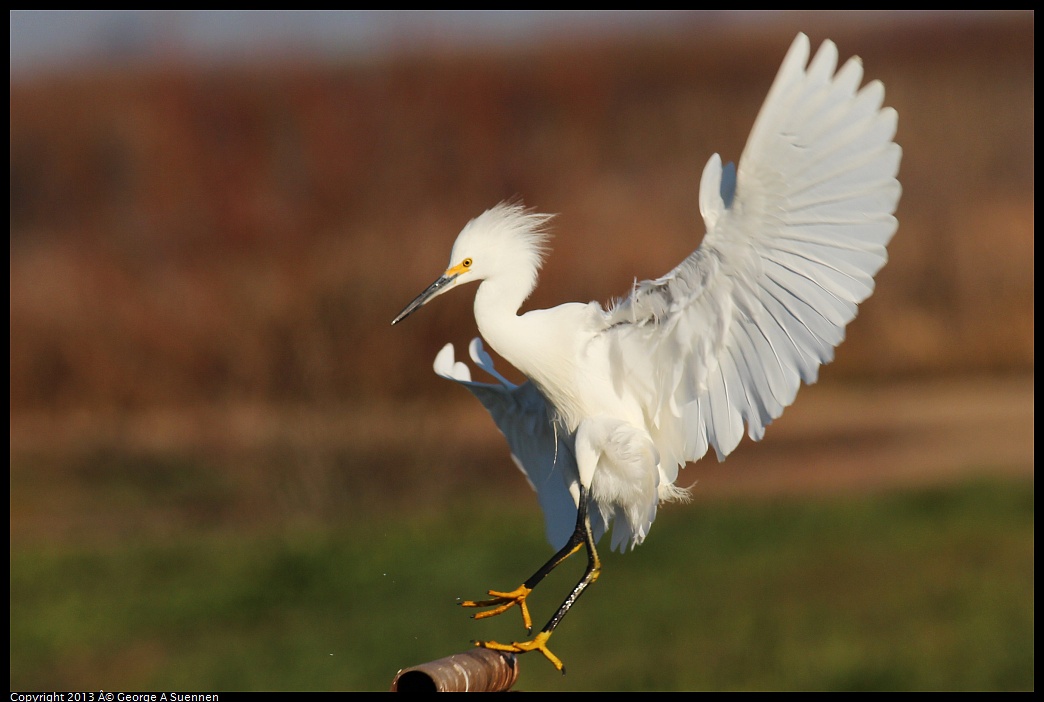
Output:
x=504 y=239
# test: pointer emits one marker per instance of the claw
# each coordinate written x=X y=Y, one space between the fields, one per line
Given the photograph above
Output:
x=502 y=602
x=538 y=643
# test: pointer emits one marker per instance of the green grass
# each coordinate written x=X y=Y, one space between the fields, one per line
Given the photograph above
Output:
x=926 y=590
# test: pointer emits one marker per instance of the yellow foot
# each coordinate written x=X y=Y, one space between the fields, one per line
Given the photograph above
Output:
x=538 y=643
x=502 y=602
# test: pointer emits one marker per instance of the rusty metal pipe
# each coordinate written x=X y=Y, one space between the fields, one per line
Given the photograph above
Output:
x=476 y=670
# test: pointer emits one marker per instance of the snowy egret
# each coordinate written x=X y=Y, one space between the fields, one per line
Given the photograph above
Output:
x=619 y=399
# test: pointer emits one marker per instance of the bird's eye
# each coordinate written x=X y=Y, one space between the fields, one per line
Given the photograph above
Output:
x=466 y=263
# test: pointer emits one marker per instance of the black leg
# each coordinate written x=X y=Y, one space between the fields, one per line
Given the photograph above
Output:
x=594 y=564
x=502 y=601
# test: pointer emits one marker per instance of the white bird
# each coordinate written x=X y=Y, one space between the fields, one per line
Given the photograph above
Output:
x=619 y=399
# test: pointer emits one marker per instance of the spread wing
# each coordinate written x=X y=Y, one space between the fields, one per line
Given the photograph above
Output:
x=793 y=241
x=544 y=455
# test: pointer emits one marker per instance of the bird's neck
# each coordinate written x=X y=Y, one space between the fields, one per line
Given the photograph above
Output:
x=532 y=342
x=497 y=302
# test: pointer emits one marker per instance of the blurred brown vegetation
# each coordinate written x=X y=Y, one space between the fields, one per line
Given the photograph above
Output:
x=245 y=234
x=205 y=261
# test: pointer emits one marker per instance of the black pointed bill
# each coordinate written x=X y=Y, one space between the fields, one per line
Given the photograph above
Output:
x=436 y=288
